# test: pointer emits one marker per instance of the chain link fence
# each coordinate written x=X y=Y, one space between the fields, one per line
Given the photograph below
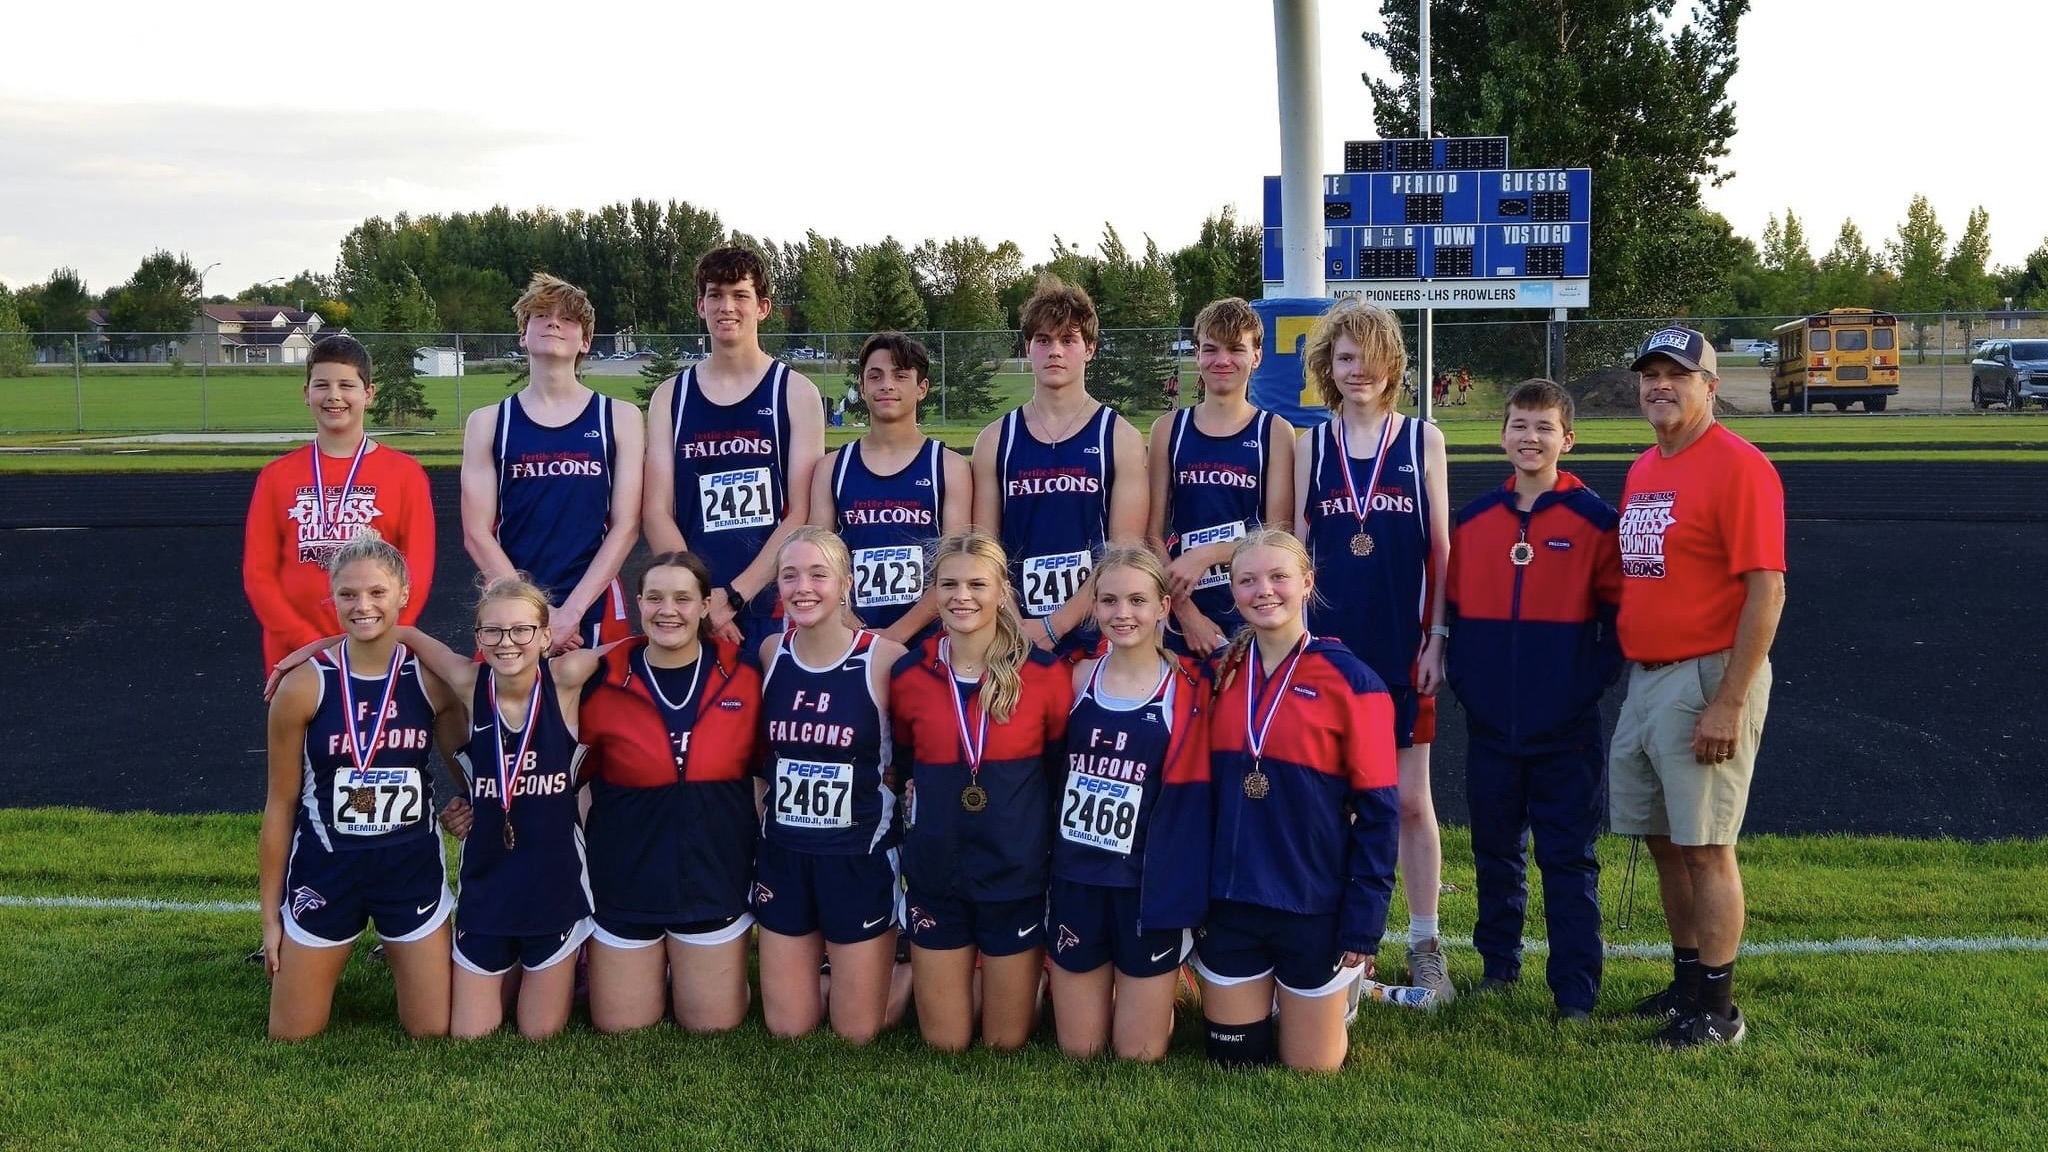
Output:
x=186 y=382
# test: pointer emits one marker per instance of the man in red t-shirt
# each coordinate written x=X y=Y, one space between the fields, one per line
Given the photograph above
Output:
x=309 y=502
x=1703 y=583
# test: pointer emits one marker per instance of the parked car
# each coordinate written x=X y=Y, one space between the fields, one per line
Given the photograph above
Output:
x=2011 y=372
x=803 y=353
x=1183 y=347
x=1752 y=347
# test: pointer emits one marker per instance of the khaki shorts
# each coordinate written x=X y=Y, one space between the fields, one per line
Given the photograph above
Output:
x=1654 y=786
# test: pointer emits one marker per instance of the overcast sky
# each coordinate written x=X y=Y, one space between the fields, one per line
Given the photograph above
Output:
x=257 y=137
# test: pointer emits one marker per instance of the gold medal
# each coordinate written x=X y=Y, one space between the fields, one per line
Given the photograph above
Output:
x=1361 y=544
x=1522 y=553
x=1256 y=785
x=363 y=800
x=511 y=840
x=974 y=798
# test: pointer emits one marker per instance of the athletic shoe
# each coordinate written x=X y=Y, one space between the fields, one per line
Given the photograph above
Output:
x=1703 y=1028
x=1499 y=983
x=1664 y=1004
x=1426 y=970
x=1574 y=1016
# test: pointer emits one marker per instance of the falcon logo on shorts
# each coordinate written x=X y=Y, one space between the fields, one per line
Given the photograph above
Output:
x=306 y=900
x=1065 y=940
x=762 y=895
x=920 y=920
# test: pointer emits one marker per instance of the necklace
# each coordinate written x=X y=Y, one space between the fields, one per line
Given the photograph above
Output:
x=1038 y=417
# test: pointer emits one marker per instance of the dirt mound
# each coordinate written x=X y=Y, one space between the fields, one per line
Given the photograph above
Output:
x=1612 y=392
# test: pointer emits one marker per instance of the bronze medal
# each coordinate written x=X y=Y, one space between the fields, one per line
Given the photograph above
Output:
x=511 y=840
x=974 y=798
x=1256 y=785
x=1361 y=544
x=1522 y=553
x=363 y=800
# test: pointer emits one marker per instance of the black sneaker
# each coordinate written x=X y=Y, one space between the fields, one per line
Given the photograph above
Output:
x=1703 y=1028
x=1498 y=983
x=1664 y=1004
x=1574 y=1016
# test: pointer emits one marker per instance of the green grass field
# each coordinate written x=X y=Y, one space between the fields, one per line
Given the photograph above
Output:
x=143 y=1029
x=39 y=415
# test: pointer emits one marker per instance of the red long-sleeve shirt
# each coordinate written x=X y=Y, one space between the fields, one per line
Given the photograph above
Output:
x=285 y=546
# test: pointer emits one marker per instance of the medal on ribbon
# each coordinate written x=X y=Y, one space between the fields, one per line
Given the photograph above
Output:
x=1259 y=713
x=508 y=769
x=973 y=798
x=325 y=518
x=363 y=798
x=1522 y=552
x=1362 y=543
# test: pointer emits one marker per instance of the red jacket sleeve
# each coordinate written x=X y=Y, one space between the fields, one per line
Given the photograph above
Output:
x=263 y=550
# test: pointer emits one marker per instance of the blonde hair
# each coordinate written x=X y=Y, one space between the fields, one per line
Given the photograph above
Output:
x=1380 y=347
x=1002 y=683
x=545 y=294
x=514 y=587
x=369 y=544
x=1229 y=317
x=1262 y=538
x=1143 y=561
x=825 y=541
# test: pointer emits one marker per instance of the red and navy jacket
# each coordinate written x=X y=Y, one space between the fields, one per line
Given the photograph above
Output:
x=672 y=825
x=1169 y=864
x=1323 y=837
x=1004 y=851
x=1533 y=646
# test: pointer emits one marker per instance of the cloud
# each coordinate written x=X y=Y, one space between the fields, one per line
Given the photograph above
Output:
x=265 y=191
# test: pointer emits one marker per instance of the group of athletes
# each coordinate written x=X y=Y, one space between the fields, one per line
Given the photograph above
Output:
x=1122 y=702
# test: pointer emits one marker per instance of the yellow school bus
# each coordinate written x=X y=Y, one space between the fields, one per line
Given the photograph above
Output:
x=1836 y=357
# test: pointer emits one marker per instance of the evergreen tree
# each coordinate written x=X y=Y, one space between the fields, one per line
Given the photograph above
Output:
x=395 y=317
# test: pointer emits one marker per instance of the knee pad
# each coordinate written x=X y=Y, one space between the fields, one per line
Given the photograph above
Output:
x=1239 y=1045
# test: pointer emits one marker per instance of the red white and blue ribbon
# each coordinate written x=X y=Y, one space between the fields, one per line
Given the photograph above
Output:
x=1258 y=714
x=508 y=771
x=360 y=754
x=322 y=515
x=1363 y=508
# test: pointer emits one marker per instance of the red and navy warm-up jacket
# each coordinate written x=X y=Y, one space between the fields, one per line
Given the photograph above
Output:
x=1173 y=857
x=1329 y=755
x=1533 y=646
x=1003 y=852
x=669 y=845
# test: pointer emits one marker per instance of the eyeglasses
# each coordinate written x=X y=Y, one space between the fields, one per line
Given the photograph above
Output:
x=490 y=635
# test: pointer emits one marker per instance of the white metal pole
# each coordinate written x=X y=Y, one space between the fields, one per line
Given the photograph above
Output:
x=1295 y=33
x=1428 y=375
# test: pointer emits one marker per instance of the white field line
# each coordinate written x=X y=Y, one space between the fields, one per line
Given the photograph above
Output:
x=1859 y=945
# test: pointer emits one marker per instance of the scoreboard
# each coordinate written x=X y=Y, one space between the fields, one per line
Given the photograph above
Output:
x=1390 y=218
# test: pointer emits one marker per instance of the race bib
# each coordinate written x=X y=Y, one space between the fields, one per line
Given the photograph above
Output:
x=379 y=801
x=884 y=577
x=741 y=498
x=1218 y=575
x=1050 y=581
x=1101 y=813
x=812 y=795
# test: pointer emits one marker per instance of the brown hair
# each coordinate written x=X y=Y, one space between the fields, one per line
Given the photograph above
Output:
x=1002 y=683
x=547 y=294
x=339 y=348
x=730 y=265
x=906 y=352
x=1537 y=395
x=1380 y=346
x=693 y=564
x=1057 y=306
x=1229 y=317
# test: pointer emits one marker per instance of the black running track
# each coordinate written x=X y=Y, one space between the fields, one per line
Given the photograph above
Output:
x=1910 y=667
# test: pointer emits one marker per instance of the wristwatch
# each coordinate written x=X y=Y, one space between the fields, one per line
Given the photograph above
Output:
x=734 y=600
